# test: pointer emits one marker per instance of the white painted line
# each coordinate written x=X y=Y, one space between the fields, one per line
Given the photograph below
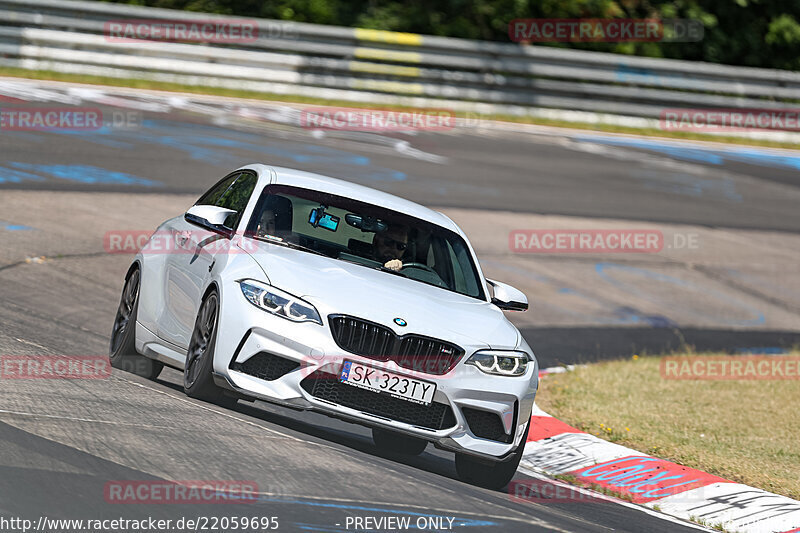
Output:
x=89 y=420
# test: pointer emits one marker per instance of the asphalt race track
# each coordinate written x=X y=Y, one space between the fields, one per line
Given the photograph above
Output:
x=62 y=441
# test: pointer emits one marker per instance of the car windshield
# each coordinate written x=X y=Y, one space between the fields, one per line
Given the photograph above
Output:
x=370 y=235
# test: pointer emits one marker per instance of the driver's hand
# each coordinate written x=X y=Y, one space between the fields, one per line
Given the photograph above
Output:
x=393 y=264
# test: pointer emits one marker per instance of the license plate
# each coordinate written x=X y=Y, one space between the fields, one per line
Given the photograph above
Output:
x=377 y=380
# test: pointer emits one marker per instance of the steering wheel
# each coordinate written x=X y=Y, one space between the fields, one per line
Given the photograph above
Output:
x=421 y=266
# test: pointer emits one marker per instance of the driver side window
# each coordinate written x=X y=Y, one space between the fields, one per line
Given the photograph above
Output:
x=212 y=196
x=232 y=192
x=237 y=196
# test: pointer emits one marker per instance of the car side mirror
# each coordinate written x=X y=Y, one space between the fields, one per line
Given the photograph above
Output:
x=507 y=297
x=210 y=217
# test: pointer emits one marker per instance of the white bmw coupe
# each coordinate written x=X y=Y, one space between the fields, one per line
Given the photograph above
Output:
x=315 y=293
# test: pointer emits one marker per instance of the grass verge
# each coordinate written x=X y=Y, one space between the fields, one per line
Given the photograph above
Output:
x=745 y=431
x=237 y=93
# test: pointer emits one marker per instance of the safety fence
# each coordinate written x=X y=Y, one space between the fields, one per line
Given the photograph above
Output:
x=372 y=66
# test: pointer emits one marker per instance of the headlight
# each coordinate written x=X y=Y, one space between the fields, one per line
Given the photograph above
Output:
x=279 y=303
x=500 y=362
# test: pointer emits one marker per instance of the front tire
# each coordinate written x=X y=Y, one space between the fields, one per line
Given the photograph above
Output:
x=198 y=379
x=391 y=441
x=494 y=476
x=122 y=348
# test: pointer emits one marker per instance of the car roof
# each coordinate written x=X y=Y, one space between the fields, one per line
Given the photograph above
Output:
x=318 y=182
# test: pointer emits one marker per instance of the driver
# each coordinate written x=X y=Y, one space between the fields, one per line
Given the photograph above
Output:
x=266 y=225
x=388 y=247
x=276 y=217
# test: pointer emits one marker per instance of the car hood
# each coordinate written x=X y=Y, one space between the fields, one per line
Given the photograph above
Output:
x=335 y=286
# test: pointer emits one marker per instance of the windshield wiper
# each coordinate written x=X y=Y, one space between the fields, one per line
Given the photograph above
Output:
x=390 y=271
x=293 y=246
x=379 y=267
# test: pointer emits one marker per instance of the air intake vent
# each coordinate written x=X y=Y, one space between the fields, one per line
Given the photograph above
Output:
x=328 y=387
x=266 y=366
x=485 y=425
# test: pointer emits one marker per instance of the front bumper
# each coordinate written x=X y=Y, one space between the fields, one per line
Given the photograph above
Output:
x=250 y=332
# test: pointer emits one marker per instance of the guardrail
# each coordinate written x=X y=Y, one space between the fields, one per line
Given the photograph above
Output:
x=378 y=66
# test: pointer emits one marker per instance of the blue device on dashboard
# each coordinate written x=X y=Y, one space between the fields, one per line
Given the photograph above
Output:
x=320 y=219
